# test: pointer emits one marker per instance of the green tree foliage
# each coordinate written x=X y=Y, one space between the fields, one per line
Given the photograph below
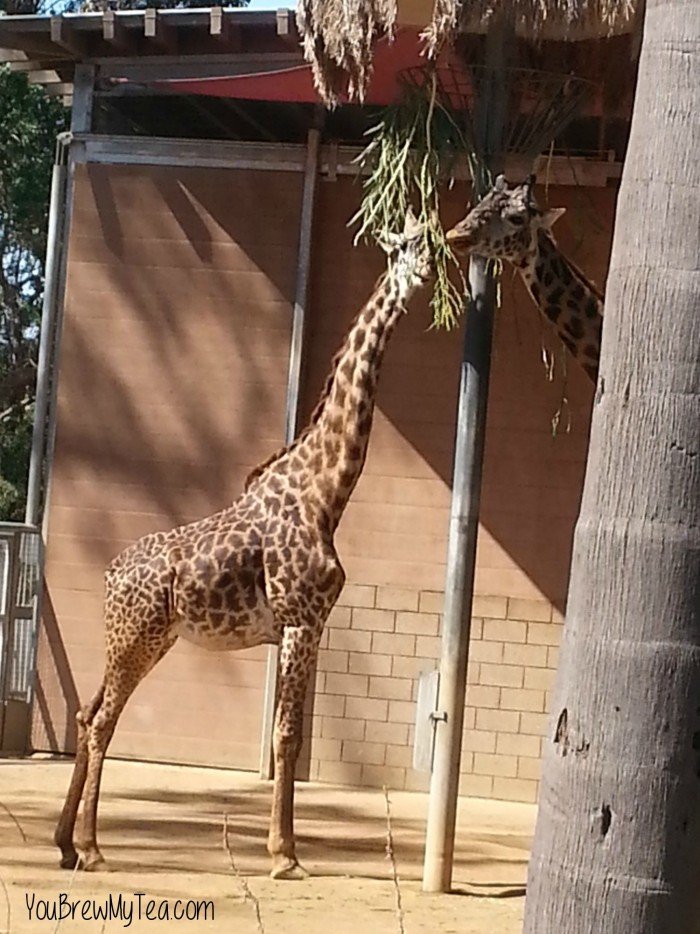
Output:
x=29 y=123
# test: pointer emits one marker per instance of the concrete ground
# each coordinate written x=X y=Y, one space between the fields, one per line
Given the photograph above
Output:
x=162 y=834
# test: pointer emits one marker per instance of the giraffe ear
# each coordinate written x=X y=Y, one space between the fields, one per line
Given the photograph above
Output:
x=411 y=227
x=500 y=184
x=551 y=216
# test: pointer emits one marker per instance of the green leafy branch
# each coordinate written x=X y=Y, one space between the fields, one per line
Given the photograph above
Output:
x=412 y=152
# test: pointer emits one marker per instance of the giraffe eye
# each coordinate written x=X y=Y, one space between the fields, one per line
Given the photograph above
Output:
x=516 y=219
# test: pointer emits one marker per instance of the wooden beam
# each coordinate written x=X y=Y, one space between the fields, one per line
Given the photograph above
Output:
x=132 y=150
x=42 y=76
x=290 y=157
x=285 y=28
x=65 y=36
x=224 y=31
x=159 y=31
x=153 y=67
x=283 y=22
x=115 y=32
x=83 y=96
x=61 y=89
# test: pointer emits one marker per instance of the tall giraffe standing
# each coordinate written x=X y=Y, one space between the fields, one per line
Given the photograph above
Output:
x=265 y=570
x=507 y=224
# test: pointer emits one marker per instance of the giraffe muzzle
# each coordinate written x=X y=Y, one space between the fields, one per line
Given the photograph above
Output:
x=459 y=240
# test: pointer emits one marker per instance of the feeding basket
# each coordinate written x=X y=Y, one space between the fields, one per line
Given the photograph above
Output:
x=536 y=106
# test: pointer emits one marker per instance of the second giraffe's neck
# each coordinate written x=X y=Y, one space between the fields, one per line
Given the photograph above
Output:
x=567 y=299
x=334 y=445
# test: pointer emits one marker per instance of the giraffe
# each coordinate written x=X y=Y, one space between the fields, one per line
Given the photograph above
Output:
x=507 y=224
x=264 y=570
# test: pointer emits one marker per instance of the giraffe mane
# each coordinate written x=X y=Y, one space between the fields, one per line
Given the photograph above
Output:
x=313 y=420
x=318 y=408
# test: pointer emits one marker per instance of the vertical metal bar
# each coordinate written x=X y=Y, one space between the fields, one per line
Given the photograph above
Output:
x=42 y=515
x=54 y=249
x=296 y=356
x=9 y=634
x=81 y=122
x=466 y=492
x=296 y=350
x=54 y=287
x=459 y=585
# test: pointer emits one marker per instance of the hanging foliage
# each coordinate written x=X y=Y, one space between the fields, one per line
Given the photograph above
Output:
x=412 y=154
x=337 y=38
x=338 y=35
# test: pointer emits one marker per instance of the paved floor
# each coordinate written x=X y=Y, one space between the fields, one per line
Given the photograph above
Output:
x=162 y=830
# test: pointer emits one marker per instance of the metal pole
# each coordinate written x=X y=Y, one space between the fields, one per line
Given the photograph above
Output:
x=54 y=252
x=448 y=719
x=459 y=585
x=296 y=357
x=81 y=123
x=54 y=288
x=296 y=350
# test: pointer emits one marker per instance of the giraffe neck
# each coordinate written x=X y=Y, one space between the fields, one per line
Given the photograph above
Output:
x=567 y=299
x=334 y=444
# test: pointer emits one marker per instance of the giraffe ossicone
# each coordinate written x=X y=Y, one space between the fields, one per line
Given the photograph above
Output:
x=507 y=224
x=264 y=570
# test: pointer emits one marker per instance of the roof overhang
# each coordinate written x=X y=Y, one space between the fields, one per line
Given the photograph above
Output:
x=153 y=35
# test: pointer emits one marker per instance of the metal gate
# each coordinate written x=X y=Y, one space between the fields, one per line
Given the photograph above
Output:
x=20 y=564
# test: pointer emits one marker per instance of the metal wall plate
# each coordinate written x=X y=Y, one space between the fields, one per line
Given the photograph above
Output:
x=425 y=727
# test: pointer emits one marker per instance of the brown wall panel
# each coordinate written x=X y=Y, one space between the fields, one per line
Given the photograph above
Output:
x=172 y=386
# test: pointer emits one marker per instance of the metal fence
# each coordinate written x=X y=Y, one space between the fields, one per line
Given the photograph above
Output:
x=20 y=578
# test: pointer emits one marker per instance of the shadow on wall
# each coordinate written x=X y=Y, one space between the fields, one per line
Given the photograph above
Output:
x=172 y=383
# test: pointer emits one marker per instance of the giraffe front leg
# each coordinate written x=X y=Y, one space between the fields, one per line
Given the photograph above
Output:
x=297 y=656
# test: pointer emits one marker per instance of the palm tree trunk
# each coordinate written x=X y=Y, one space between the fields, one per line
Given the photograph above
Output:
x=617 y=844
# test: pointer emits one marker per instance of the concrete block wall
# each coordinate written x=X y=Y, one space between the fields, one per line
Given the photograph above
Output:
x=361 y=719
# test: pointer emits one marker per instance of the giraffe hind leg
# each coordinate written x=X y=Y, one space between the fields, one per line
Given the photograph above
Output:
x=126 y=667
x=63 y=836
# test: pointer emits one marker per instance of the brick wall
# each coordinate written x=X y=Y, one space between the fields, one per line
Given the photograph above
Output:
x=361 y=718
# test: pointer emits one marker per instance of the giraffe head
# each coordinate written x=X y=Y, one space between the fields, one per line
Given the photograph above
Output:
x=504 y=224
x=409 y=262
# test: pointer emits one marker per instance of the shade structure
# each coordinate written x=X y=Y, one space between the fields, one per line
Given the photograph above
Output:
x=296 y=85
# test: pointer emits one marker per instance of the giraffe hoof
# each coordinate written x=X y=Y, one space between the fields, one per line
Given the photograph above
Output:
x=69 y=860
x=286 y=868
x=93 y=862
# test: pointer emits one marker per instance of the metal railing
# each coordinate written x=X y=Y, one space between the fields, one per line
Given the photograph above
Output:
x=20 y=580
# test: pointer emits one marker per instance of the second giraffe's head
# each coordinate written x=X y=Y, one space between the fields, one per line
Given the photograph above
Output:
x=504 y=224
x=409 y=261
